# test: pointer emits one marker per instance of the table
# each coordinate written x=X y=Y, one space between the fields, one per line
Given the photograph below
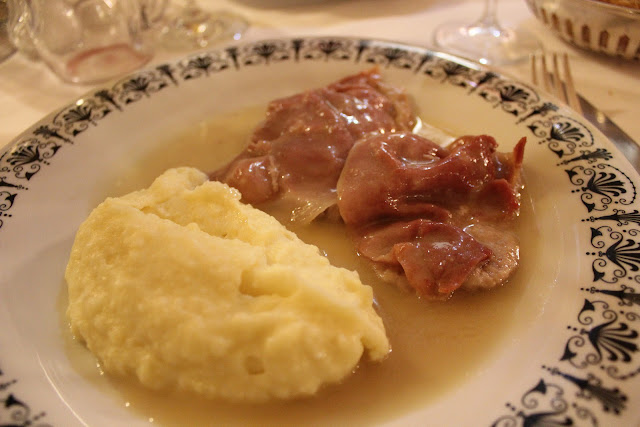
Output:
x=29 y=91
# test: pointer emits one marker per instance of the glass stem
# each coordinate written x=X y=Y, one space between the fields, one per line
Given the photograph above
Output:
x=489 y=18
x=191 y=7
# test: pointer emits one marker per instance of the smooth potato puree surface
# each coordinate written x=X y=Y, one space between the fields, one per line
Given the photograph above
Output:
x=186 y=288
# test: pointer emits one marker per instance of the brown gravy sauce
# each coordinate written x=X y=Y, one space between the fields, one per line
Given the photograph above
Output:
x=436 y=346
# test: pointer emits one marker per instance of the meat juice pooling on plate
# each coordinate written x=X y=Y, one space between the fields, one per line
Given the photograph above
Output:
x=444 y=223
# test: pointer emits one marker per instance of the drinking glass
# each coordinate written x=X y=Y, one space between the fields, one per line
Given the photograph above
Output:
x=83 y=41
x=187 y=26
x=6 y=47
x=485 y=40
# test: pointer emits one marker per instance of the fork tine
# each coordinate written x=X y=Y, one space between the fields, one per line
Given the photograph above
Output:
x=557 y=80
x=552 y=80
x=545 y=74
x=572 y=96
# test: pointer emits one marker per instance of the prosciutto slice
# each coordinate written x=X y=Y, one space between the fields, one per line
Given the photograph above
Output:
x=434 y=257
x=430 y=218
x=295 y=156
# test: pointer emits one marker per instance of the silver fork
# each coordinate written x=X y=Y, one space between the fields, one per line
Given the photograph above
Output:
x=553 y=80
x=557 y=79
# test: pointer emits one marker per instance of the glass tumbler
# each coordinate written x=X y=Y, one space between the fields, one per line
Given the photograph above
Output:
x=88 y=41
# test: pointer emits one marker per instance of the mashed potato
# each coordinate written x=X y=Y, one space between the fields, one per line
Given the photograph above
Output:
x=186 y=288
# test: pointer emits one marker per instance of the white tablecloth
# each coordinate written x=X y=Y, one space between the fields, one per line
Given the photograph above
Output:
x=29 y=91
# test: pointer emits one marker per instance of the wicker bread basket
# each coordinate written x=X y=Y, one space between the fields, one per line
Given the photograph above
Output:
x=608 y=26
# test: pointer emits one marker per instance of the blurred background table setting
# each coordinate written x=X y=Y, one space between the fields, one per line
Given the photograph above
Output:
x=33 y=83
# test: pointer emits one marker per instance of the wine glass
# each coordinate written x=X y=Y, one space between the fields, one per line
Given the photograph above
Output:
x=485 y=40
x=187 y=26
x=6 y=47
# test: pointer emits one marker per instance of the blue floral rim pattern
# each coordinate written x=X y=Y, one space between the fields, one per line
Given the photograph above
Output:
x=600 y=356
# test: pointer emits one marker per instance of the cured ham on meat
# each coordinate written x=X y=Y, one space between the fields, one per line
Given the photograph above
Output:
x=430 y=218
x=433 y=258
x=296 y=155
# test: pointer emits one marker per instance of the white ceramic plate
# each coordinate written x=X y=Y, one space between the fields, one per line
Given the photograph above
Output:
x=571 y=357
